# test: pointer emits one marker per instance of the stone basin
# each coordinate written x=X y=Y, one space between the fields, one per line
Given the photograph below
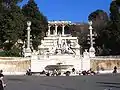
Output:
x=57 y=67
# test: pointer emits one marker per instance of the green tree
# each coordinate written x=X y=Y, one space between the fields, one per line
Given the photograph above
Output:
x=11 y=24
x=115 y=27
x=39 y=22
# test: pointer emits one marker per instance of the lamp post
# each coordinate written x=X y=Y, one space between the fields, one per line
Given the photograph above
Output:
x=91 y=49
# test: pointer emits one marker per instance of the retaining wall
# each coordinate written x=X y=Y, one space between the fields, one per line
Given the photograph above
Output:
x=14 y=65
x=105 y=63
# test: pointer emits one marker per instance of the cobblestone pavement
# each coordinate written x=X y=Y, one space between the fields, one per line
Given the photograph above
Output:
x=99 y=82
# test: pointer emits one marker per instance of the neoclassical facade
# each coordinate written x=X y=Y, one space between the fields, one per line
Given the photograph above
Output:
x=58 y=40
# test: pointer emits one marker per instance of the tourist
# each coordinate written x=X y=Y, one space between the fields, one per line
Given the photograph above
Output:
x=29 y=73
x=73 y=70
x=47 y=74
x=115 y=70
x=55 y=72
x=98 y=69
x=84 y=72
x=89 y=72
x=67 y=73
x=92 y=72
x=2 y=84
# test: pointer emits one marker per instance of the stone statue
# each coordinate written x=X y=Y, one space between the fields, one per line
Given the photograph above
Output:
x=66 y=48
x=59 y=42
x=53 y=32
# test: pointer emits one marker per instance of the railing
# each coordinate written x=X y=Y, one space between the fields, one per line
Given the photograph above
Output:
x=108 y=56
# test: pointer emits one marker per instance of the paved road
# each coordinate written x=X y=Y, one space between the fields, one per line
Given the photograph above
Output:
x=100 y=82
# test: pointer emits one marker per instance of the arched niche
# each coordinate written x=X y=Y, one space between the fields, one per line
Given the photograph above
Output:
x=52 y=28
x=59 y=29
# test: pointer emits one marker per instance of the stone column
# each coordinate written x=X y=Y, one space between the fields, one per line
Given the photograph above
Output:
x=28 y=34
x=56 y=29
x=63 y=29
x=28 y=50
x=49 y=30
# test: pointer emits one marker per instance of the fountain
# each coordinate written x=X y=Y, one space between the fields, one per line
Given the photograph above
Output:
x=57 y=48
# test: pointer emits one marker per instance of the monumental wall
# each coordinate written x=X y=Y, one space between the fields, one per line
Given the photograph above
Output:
x=14 y=65
x=105 y=63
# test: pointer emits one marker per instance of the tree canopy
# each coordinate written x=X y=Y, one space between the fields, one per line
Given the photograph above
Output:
x=39 y=22
x=13 y=21
x=108 y=29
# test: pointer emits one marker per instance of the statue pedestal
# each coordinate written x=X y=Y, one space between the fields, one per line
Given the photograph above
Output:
x=92 y=52
x=85 y=61
x=27 y=52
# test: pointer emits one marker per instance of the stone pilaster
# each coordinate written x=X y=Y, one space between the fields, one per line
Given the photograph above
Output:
x=49 y=30
x=56 y=26
x=63 y=29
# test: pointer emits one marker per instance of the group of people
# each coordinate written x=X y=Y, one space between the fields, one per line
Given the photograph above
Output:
x=89 y=72
x=57 y=73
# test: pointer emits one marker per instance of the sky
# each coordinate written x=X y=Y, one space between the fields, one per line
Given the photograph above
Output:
x=70 y=10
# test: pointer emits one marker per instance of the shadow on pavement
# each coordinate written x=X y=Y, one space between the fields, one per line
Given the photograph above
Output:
x=16 y=79
x=57 y=87
x=109 y=84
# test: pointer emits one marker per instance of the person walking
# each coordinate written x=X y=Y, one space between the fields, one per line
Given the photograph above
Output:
x=2 y=84
x=115 y=70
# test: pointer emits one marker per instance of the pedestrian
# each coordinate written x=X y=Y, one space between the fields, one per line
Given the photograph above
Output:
x=98 y=69
x=73 y=70
x=115 y=70
x=2 y=84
